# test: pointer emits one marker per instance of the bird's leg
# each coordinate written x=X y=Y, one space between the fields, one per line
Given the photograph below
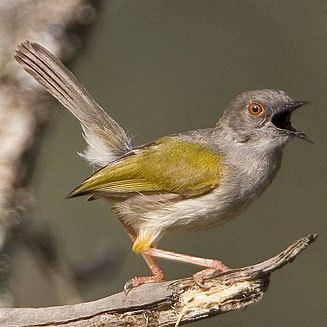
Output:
x=157 y=274
x=212 y=265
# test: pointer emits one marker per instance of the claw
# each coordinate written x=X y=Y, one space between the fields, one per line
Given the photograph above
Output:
x=137 y=281
x=201 y=276
x=129 y=285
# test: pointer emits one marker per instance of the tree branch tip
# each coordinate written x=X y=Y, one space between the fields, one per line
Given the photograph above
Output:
x=312 y=237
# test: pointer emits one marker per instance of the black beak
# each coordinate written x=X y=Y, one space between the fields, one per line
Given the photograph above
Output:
x=282 y=119
x=292 y=105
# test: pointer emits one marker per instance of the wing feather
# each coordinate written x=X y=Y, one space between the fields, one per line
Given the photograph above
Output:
x=167 y=166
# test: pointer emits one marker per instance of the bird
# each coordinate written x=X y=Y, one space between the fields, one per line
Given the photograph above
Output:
x=193 y=180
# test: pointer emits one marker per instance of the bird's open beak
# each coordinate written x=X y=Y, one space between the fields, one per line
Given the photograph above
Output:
x=282 y=119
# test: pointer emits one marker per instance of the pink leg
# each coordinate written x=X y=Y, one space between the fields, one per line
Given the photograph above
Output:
x=203 y=262
x=157 y=274
x=212 y=265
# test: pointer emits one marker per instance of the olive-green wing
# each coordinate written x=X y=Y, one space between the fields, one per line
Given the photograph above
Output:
x=168 y=166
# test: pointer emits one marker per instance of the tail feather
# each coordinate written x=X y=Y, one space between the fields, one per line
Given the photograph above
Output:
x=106 y=139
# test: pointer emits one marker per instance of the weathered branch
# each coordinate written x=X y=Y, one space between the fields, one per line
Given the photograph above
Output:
x=164 y=304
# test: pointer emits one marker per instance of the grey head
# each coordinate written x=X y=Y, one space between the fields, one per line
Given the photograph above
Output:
x=261 y=116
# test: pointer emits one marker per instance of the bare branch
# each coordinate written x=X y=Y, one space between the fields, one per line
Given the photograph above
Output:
x=164 y=304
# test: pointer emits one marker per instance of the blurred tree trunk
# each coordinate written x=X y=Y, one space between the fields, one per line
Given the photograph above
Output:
x=24 y=116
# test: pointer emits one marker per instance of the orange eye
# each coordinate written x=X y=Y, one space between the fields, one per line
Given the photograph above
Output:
x=255 y=108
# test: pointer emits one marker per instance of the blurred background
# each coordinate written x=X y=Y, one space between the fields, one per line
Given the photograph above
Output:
x=161 y=67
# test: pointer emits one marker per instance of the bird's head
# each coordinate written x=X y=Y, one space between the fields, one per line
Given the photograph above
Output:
x=262 y=116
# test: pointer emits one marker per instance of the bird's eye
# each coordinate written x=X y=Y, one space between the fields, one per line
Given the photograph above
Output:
x=255 y=108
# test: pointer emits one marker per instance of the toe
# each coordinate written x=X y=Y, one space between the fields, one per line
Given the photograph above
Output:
x=129 y=285
x=137 y=281
x=201 y=276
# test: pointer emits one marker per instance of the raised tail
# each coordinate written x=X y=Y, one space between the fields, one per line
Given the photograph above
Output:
x=106 y=139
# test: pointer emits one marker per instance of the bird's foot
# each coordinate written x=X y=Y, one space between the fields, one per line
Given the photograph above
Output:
x=201 y=276
x=137 y=281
